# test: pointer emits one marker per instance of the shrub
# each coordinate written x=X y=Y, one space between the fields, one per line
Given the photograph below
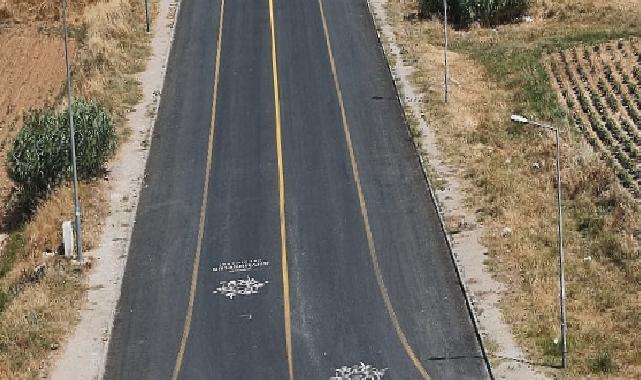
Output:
x=461 y=13
x=602 y=363
x=41 y=156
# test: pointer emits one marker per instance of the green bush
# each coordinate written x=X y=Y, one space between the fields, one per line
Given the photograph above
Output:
x=461 y=13
x=41 y=156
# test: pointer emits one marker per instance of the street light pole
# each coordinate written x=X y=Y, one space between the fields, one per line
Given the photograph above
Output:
x=445 y=48
x=147 y=20
x=72 y=139
x=564 y=338
x=564 y=347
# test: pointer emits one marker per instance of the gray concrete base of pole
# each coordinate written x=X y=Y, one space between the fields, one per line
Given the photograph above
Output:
x=68 y=239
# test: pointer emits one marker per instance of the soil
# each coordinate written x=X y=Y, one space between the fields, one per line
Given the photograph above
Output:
x=32 y=75
x=577 y=72
x=32 y=71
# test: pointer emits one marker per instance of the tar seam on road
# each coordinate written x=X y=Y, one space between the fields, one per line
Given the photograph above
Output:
x=361 y=198
x=203 y=207
x=281 y=200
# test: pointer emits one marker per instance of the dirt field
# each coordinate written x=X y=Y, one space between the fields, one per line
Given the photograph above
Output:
x=32 y=75
x=600 y=87
x=32 y=71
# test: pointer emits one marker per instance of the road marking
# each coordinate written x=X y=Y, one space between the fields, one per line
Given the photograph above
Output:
x=361 y=199
x=359 y=371
x=240 y=287
x=203 y=206
x=246 y=265
x=281 y=200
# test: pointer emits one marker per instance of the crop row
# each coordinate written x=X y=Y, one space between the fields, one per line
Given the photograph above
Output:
x=603 y=99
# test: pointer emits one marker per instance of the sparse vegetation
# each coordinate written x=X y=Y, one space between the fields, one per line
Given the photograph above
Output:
x=602 y=363
x=509 y=170
x=109 y=45
x=462 y=13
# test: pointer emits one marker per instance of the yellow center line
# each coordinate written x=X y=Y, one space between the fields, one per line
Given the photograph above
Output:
x=361 y=199
x=281 y=200
x=203 y=206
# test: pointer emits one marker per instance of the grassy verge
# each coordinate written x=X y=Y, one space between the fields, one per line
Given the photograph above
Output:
x=114 y=47
x=509 y=176
x=37 y=310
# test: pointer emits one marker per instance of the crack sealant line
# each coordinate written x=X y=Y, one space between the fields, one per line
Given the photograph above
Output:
x=424 y=168
x=139 y=183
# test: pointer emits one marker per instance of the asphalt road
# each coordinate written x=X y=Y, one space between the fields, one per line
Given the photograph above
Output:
x=285 y=234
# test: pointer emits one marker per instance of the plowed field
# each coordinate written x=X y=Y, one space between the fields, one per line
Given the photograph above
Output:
x=600 y=87
x=32 y=75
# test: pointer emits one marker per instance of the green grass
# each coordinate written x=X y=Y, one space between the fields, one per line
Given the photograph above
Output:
x=516 y=63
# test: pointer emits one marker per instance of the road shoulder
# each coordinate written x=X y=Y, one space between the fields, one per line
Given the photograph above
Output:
x=84 y=354
x=482 y=289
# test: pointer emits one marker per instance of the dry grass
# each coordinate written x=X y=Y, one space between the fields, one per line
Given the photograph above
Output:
x=36 y=312
x=112 y=51
x=39 y=312
x=39 y=11
x=573 y=9
x=509 y=176
x=43 y=233
x=34 y=323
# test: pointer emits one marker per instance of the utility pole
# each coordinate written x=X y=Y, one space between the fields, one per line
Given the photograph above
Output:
x=147 y=21
x=564 y=338
x=72 y=138
x=563 y=322
x=445 y=49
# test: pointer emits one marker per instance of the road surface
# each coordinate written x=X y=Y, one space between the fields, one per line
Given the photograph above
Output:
x=285 y=229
